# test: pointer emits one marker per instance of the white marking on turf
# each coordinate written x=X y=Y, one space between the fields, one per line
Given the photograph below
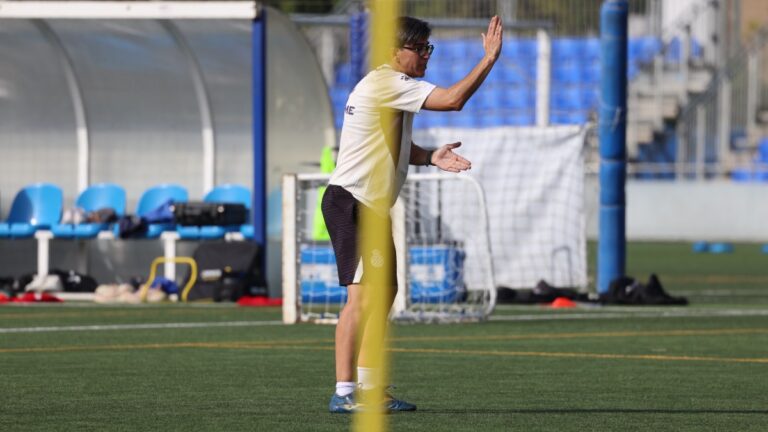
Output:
x=635 y=314
x=139 y=326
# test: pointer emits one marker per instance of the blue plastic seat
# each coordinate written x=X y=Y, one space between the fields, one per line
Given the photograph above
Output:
x=440 y=74
x=591 y=96
x=517 y=73
x=674 y=51
x=419 y=122
x=434 y=119
x=569 y=117
x=525 y=117
x=450 y=48
x=519 y=97
x=520 y=50
x=591 y=72
x=247 y=231
x=35 y=207
x=592 y=50
x=567 y=50
x=568 y=98
x=490 y=97
x=566 y=73
x=93 y=198
x=153 y=198
x=458 y=70
x=493 y=118
x=464 y=119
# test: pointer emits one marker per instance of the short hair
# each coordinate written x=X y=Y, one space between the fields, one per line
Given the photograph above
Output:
x=411 y=30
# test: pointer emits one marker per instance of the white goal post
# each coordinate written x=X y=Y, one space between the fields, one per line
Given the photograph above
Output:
x=442 y=237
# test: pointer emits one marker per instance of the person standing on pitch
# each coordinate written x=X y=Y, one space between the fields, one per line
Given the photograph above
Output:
x=371 y=169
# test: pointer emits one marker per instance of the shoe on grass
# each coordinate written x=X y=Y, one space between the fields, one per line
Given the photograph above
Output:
x=348 y=405
x=343 y=404
x=394 y=404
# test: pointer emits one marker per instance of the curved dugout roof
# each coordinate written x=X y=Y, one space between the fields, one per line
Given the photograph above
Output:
x=144 y=86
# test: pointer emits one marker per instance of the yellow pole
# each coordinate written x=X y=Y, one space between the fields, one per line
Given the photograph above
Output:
x=383 y=14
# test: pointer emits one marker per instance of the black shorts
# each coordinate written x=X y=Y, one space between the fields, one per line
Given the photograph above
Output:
x=341 y=212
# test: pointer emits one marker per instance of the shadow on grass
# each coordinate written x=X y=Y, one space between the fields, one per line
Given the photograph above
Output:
x=592 y=411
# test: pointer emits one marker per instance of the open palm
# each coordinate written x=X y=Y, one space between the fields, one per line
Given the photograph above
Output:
x=445 y=159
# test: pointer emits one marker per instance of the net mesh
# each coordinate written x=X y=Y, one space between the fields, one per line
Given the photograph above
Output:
x=445 y=270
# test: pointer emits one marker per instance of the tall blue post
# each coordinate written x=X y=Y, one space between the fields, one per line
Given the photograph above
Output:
x=611 y=255
x=358 y=45
x=259 y=74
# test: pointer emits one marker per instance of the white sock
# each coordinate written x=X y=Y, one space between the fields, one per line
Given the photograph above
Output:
x=344 y=388
x=366 y=378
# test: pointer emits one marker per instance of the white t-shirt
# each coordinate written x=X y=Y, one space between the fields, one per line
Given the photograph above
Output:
x=367 y=167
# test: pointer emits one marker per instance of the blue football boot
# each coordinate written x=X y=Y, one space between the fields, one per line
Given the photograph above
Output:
x=343 y=404
x=394 y=405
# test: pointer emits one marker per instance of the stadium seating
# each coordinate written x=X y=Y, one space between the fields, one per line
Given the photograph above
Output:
x=674 y=51
x=35 y=207
x=575 y=63
x=93 y=198
x=524 y=50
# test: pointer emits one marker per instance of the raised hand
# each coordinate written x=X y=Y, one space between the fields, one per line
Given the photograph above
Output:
x=492 y=39
x=445 y=159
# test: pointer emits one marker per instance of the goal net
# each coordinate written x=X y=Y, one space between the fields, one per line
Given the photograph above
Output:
x=515 y=219
x=533 y=178
x=441 y=233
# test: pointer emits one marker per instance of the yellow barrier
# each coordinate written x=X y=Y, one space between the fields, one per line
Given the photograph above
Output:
x=176 y=260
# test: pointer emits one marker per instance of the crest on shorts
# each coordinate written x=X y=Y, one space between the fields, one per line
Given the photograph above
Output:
x=377 y=259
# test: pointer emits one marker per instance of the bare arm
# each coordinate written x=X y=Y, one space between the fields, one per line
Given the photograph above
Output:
x=454 y=97
x=443 y=158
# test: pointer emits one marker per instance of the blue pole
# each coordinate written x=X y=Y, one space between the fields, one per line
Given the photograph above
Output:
x=259 y=74
x=611 y=255
x=358 y=45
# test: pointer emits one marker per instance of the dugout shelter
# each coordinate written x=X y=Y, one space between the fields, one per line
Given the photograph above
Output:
x=144 y=93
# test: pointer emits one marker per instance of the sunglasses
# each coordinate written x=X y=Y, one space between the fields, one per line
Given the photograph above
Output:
x=421 y=50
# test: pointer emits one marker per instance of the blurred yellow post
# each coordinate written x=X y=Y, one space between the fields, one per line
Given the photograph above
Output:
x=382 y=23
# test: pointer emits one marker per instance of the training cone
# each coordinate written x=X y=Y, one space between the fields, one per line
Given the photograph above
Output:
x=563 y=302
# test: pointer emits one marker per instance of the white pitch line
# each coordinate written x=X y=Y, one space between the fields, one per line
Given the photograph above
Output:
x=530 y=317
x=649 y=314
x=139 y=326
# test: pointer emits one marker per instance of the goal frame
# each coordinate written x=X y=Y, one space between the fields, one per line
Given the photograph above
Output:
x=292 y=307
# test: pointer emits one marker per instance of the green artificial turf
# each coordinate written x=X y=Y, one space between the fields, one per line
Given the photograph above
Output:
x=696 y=368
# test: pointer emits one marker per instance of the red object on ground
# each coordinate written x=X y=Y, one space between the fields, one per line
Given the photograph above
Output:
x=563 y=302
x=49 y=298
x=4 y=298
x=27 y=297
x=259 y=301
x=30 y=297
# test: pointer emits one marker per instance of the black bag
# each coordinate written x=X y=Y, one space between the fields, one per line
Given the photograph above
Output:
x=209 y=213
x=73 y=281
x=627 y=291
x=227 y=271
